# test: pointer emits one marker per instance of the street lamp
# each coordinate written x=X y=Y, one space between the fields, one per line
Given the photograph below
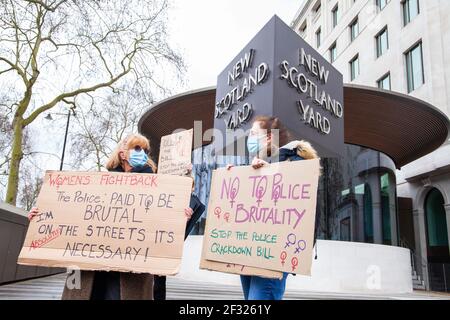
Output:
x=49 y=117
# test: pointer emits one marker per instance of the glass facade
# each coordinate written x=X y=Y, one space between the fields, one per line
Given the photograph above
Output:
x=356 y=194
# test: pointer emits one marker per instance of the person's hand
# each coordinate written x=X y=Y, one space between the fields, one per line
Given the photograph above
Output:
x=188 y=213
x=33 y=212
x=229 y=166
x=258 y=163
x=188 y=170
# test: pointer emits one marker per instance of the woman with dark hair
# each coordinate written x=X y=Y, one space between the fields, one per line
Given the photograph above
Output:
x=269 y=141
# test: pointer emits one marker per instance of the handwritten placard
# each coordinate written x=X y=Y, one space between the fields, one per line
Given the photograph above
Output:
x=263 y=218
x=128 y=222
x=175 y=153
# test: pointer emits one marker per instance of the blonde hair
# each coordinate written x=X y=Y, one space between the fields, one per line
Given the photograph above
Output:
x=127 y=143
x=306 y=150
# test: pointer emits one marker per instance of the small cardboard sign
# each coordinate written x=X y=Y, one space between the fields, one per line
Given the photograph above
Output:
x=129 y=222
x=263 y=218
x=175 y=153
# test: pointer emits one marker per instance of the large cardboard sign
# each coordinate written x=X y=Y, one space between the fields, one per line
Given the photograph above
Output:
x=128 y=222
x=175 y=153
x=263 y=218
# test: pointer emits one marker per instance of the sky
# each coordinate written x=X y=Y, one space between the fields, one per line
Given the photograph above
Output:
x=211 y=33
x=208 y=34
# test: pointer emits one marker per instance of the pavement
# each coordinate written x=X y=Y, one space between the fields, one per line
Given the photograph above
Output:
x=50 y=288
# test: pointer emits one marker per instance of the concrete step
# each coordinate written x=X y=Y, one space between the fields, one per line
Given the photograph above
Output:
x=419 y=286
x=50 y=288
x=418 y=283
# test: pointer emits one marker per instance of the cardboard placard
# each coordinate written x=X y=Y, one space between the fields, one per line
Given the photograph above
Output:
x=263 y=218
x=129 y=222
x=175 y=153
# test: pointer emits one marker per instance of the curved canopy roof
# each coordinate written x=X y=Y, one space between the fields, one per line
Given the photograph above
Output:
x=402 y=127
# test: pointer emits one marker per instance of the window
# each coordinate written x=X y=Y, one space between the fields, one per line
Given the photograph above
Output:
x=317 y=8
x=385 y=82
x=354 y=67
x=318 y=37
x=333 y=53
x=368 y=214
x=410 y=10
x=344 y=229
x=335 y=15
x=414 y=67
x=387 y=199
x=382 y=42
x=354 y=29
x=381 y=4
x=436 y=221
x=303 y=30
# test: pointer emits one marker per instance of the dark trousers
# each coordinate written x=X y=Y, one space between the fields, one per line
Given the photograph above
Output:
x=106 y=286
x=159 y=288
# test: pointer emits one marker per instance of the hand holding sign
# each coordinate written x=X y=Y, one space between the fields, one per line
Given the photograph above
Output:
x=271 y=214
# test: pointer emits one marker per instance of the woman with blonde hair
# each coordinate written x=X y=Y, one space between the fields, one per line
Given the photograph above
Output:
x=130 y=155
x=137 y=160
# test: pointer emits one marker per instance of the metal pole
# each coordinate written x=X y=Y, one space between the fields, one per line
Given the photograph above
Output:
x=445 y=278
x=65 y=140
x=397 y=221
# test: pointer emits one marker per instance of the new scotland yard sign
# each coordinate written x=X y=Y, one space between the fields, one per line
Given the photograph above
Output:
x=279 y=74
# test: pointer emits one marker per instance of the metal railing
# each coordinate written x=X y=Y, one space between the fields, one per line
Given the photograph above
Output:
x=418 y=263
x=439 y=276
x=438 y=273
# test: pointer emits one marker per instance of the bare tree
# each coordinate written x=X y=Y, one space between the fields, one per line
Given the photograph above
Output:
x=55 y=51
x=29 y=188
x=6 y=136
x=102 y=123
x=5 y=133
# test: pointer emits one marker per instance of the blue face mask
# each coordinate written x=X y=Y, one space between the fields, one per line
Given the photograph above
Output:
x=138 y=158
x=253 y=144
